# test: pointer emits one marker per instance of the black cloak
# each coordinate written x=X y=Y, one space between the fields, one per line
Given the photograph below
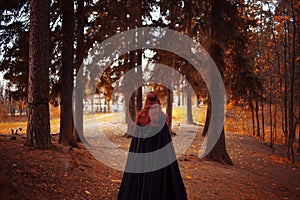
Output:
x=160 y=184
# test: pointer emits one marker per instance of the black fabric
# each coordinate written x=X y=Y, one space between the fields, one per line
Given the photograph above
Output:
x=162 y=184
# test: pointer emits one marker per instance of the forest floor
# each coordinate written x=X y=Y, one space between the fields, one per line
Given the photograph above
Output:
x=258 y=172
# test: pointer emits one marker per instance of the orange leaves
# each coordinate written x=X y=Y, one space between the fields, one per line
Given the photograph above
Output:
x=281 y=19
x=297 y=6
x=116 y=181
x=269 y=44
x=256 y=71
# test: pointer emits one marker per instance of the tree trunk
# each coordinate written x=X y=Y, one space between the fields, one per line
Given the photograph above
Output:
x=38 y=127
x=78 y=114
x=169 y=109
x=207 y=118
x=108 y=107
x=189 y=107
x=136 y=56
x=79 y=71
x=275 y=124
x=271 y=124
x=178 y=97
x=292 y=88
x=92 y=104
x=197 y=101
x=257 y=117
x=219 y=152
x=135 y=59
x=285 y=105
x=130 y=113
x=262 y=120
x=253 y=118
x=139 y=99
x=66 y=136
x=139 y=90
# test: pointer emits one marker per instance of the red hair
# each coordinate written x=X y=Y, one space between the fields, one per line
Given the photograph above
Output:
x=143 y=118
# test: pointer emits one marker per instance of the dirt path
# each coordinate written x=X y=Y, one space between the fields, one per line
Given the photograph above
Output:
x=62 y=173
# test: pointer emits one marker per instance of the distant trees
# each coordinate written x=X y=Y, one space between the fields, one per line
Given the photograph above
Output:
x=275 y=44
x=283 y=42
x=289 y=12
x=14 y=50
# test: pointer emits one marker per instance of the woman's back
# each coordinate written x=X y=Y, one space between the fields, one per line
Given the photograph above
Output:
x=158 y=184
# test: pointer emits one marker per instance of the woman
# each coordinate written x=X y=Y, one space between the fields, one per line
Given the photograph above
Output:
x=152 y=171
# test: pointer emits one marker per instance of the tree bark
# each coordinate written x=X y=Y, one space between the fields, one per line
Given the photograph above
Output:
x=139 y=90
x=292 y=123
x=38 y=127
x=178 y=96
x=271 y=123
x=79 y=71
x=219 y=152
x=66 y=136
x=130 y=114
x=189 y=107
x=131 y=111
x=285 y=104
x=257 y=117
x=253 y=118
x=207 y=118
x=136 y=56
x=169 y=109
x=263 y=120
x=139 y=98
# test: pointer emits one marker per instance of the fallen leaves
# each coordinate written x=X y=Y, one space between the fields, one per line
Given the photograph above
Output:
x=87 y=192
x=187 y=177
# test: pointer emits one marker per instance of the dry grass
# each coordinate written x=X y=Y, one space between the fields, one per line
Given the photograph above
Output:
x=14 y=122
x=238 y=120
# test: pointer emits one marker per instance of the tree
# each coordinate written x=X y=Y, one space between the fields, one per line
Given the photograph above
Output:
x=14 y=40
x=219 y=152
x=79 y=70
x=169 y=108
x=185 y=18
x=189 y=106
x=278 y=53
x=38 y=127
x=16 y=65
x=66 y=136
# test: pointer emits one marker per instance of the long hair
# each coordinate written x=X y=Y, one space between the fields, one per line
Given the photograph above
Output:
x=152 y=102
